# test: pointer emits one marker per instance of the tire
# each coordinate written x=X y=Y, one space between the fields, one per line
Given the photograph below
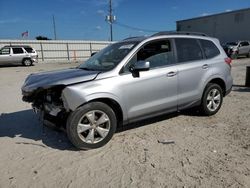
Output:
x=91 y=126
x=248 y=55
x=211 y=100
x=27 y=62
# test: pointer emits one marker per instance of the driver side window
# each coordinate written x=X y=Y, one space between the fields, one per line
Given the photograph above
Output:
x=5 y=51
x=159 y=53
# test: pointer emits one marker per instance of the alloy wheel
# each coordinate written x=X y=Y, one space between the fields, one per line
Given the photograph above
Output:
x=213 y=99
x=93 y=127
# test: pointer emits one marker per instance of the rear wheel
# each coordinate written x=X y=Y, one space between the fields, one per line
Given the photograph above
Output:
x=248 y=55
x=91 y=126
x=212 y=99
x=27 y=62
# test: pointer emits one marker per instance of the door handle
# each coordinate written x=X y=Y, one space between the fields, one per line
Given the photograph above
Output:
x=205 y=66
x=171 y=74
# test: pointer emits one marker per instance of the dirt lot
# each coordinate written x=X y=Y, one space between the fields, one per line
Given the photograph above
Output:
x=208 y=151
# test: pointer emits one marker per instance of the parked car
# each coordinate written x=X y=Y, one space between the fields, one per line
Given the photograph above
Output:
x=25 y=55
x=236 y=49
x=131 y=80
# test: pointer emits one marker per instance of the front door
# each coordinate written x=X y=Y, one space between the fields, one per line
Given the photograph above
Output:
x=155 y=90
x=5 y=56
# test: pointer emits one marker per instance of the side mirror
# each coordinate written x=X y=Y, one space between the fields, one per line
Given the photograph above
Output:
x=141 y=66
x=93 y=54
x=138 y=67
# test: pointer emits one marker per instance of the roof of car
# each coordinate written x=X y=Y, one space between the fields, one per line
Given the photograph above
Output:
x=166 y=33
x=18 y=46
x=135 y=39
x=178 y=33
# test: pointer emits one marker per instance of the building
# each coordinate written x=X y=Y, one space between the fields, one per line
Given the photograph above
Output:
x=227 y=26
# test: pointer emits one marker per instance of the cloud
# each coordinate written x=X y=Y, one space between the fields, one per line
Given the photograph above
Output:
x=101 y=3
x=82 y=12
x=101 y=12
x=228 y=10
x=14 y=20
x=205 y=14
x=98 y=27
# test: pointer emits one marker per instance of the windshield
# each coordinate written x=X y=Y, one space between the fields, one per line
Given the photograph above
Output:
x=109 y=57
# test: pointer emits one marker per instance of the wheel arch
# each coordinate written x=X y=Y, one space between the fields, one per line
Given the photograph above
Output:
x=220 y=82
x=28 y=58
x=112 y=104
x=73 y=100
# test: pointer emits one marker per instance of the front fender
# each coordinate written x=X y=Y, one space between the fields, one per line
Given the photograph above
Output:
x=73 y=98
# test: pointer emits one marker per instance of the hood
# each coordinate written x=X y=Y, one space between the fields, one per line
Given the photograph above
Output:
x=49 y=79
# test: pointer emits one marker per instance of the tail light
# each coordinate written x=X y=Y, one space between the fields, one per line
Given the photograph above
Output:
x=228 y=61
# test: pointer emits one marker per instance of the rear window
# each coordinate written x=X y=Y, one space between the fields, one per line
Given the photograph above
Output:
x=244 y=44
x=29 y=50
x=209 y=48
x=17 y=50
x=188 y=49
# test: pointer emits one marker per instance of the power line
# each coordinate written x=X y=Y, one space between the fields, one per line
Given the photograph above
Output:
x=135 y=28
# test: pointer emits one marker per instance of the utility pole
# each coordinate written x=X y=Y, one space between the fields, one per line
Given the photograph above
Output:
x=110 y=18
x=54 y=27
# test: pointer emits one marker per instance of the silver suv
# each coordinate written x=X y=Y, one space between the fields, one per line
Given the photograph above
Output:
x=131 y=80
x=25 y=55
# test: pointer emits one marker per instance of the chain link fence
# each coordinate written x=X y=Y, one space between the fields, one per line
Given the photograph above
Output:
x=65 y=50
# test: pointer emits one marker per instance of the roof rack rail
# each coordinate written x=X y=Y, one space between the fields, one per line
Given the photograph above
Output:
x=133 y=37
x=178 y=33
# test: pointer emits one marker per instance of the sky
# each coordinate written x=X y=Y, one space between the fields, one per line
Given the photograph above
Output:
x=85 y=19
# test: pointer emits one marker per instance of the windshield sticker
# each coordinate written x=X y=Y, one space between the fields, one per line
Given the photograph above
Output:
x=127 y=46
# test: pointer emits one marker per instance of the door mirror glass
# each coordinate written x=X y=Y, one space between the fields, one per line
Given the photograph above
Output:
x=140 y=66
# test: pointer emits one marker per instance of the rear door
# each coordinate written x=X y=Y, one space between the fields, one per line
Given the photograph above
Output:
x=18 y=54
x=191 y=68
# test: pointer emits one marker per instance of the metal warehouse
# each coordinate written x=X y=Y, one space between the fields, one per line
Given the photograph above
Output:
x=227 y=26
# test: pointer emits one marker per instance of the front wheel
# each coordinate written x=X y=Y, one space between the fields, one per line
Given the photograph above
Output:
x=91 y=126
x=212 y=99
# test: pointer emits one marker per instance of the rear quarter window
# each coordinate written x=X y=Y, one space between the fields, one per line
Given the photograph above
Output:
x=29 y=50
x=209 y=48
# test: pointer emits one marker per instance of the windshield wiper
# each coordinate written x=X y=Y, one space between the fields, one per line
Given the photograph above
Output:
x=87 y=69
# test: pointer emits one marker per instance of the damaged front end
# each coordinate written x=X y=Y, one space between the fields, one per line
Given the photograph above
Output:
x=48 y=103
x=44 y=92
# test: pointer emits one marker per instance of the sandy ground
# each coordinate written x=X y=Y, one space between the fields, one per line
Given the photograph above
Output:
x=208 y=151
